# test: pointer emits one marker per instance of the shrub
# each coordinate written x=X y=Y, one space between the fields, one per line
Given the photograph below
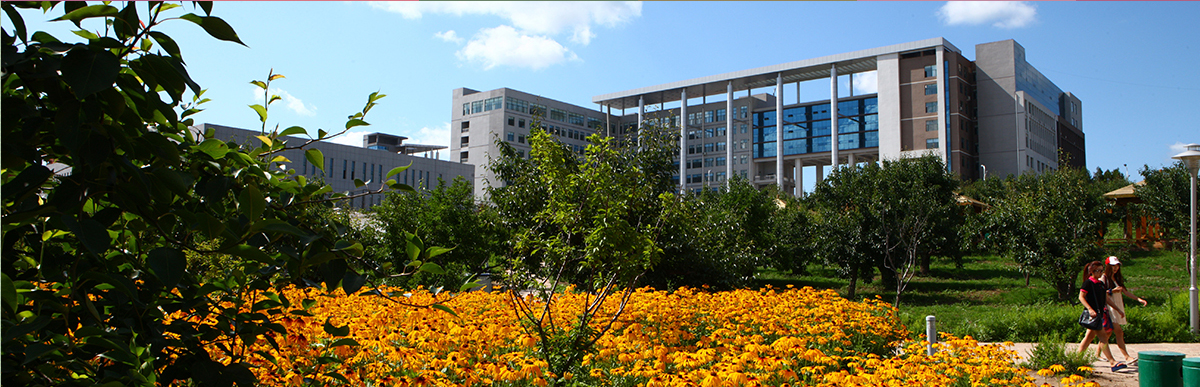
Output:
x=1051 y=350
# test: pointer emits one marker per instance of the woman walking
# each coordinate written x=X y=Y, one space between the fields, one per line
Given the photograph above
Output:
x=1116 y=283
x=1094 y=296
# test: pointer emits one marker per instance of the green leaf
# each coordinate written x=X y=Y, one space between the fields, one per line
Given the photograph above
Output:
x=292 y=130
x=262 y=112
x=127 y=21
x=396 y=170
x=432 y=268
x=88 y=12
x=213 y=148
x=278 y=225
x=444 y=309
x=346 y=341
x=18 y=22
x=355 y=122
x=9 y=293
x=45 y=38
x=249 y=252
x=251 y=203
x=316 y=158
x=260 y=84
x=470 y=285
x=36 y=350
x=168 y=264
x=88 y=71
x=215 y=27
x=352 y=282
x=436 y=251
x=265 y=140
x=166 y=43
x=334 y=330
x=28 y=181
x=358 y=183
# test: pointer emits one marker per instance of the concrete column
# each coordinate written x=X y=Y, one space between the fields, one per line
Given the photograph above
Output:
x=850 y=159
x=728 y=131
x=833 y=116
x=943 y=114
x=608 y=120
x=779 y=130
x=641 y=119
x=820 y=173
x=683 y=125
x=799 y=179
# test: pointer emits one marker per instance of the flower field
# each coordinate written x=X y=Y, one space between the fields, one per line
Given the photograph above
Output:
x=766 y=337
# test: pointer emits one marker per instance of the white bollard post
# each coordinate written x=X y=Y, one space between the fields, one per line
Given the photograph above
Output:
x=931 y=334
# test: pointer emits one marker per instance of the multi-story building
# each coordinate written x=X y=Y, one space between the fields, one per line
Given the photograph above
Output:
x=479 y=119
x=370 y=163
x=996 y=115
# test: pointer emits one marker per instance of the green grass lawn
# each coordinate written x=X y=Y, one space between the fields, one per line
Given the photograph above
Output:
x=991 y=300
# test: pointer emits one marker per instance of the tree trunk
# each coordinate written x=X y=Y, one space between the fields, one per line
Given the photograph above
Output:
x=853 y=285
x=925 y=263
x=887 y=277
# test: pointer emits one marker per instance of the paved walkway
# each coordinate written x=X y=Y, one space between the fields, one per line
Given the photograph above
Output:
x=1124 y=378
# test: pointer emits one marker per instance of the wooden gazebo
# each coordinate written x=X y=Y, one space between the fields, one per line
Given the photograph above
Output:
x=1145 y=231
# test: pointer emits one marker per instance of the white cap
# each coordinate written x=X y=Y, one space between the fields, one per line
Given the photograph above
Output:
x=1113 y=260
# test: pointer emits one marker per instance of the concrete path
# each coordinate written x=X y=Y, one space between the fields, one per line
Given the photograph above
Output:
x=1124 y=378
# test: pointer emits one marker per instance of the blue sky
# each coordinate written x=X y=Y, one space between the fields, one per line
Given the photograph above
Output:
x=1132 y=64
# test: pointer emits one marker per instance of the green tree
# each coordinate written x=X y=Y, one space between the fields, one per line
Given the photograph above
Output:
x=596 y=229
x=445 y=216
x=95 y=259
x=1049 y=224
x=890 y=216
x=843 y=235
x=715 y=238
x=1165 y=199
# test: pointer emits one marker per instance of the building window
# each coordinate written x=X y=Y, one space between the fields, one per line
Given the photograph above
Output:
x=510 y=136
x=721 y=131
x=931 y=89
x=743 y=115
x=931 y=143
x=931 y=107
x=466 y=109
x=476 y=107
x=708 y=147
x=720 y=114
x=720 y=146
x=743 y=125
x=708 y=133
x=493 y=103
x=521 y=138
x=931 y=125
x=520 y=122
x=720 y=161
x=511 y=120
x=466 y=125
x=930 y=71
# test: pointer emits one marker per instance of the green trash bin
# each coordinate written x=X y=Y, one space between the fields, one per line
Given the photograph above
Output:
x=1160 y=369
x=1191 y=371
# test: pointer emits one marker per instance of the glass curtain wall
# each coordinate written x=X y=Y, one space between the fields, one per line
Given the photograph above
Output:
x=806 y=129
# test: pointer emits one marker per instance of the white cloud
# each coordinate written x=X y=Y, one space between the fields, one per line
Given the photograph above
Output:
x=449 y=36
x=866 y=83
x=533 y=30
x=549 y=18
x=439 y=135
x=1002 y=14
x=506 y=46
x=351 y=138
x=291 y=102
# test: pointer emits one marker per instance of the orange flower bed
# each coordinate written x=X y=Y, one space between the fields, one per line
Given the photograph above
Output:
x=766 y=337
